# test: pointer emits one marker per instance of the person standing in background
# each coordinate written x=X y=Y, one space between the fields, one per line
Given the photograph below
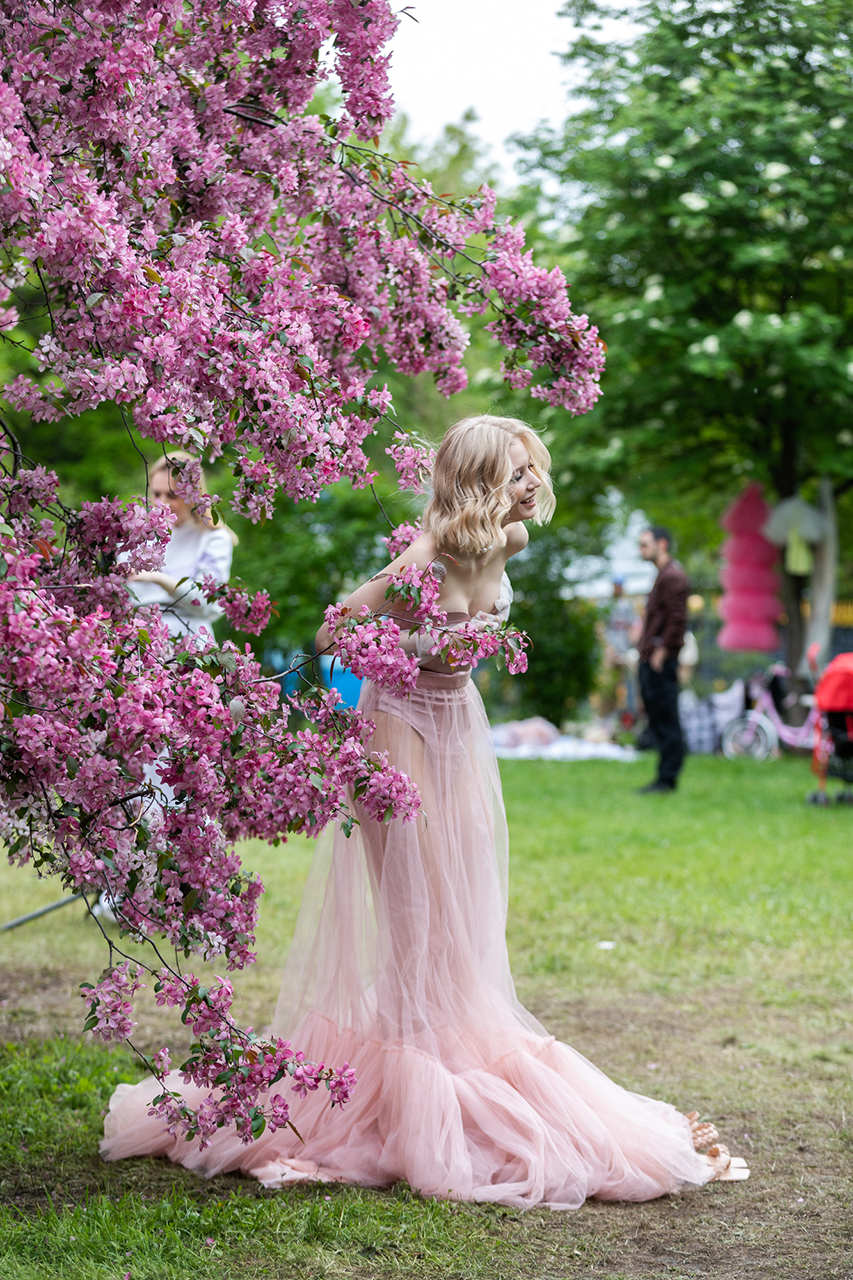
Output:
x=196 y=549
x=620 y=619
x=663 y=635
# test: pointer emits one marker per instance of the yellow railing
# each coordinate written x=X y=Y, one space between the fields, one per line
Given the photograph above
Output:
x=842 y=612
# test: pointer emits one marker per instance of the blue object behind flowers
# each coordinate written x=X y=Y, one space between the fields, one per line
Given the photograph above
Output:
x=347 y=685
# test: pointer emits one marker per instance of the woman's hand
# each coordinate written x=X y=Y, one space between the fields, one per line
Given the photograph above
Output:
x=483 y=621
x=163 y=580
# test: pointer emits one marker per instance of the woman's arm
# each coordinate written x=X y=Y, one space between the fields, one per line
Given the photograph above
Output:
x=422 y=553
x=517 y=538
x=214 y=560
x=163 y=580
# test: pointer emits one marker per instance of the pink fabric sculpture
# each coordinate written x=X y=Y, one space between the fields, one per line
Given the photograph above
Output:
x=750 y=605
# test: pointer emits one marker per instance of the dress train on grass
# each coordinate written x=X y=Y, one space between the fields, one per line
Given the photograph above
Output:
x=399 y=966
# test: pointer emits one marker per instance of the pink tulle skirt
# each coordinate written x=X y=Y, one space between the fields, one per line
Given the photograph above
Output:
x=399 y=966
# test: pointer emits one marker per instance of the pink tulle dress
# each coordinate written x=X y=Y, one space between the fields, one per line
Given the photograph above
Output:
x=399 y=966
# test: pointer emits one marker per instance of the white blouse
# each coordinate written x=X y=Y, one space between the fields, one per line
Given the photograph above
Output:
x=193 y=552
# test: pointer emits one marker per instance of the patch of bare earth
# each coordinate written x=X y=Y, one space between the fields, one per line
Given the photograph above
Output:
x=777 y=1082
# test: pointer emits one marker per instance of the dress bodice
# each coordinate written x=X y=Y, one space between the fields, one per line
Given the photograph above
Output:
x=458 y=675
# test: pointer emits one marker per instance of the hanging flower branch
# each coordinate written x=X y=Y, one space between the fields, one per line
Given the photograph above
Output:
x=227 y=268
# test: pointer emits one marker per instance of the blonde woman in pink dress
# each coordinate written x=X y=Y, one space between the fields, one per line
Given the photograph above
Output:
x=399 y=963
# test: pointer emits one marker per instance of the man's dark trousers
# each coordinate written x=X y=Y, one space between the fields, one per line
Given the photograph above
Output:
x=660 y=695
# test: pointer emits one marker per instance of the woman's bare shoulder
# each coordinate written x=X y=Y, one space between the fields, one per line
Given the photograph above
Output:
x=420 y=552
x=517 y=538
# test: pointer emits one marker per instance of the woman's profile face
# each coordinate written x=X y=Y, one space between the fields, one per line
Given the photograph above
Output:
x=523 y=484
x=160 y=489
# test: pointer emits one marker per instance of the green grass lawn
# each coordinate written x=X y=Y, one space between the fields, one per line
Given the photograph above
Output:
x=729 y=989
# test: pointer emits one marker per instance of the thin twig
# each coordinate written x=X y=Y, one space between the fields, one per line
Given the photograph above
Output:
x=379 y=504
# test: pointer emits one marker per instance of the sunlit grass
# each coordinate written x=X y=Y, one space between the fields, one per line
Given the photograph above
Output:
x=731 y=879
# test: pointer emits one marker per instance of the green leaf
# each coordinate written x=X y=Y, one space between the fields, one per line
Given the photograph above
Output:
x=265 y=241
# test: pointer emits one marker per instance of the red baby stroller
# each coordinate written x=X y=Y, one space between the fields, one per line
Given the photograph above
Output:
x=833 y=753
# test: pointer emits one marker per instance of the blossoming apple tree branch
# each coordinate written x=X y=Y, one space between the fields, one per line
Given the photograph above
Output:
x=227 y=268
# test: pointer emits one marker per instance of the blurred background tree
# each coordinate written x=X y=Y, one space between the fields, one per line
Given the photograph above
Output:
x=703 y=206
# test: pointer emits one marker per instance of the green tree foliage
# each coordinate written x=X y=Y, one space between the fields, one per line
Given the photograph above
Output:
x=564 y=656
x=705 y=188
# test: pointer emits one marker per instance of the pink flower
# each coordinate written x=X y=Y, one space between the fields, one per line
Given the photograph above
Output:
x=402 y=537
x=369 y=646
x=417 y=590
x=110 y=1003
x=250 y=614
x=342 y=1084
x=413 y=460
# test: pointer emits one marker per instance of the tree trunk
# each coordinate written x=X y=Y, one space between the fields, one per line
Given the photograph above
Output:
x=824 y=575
x=792 y=594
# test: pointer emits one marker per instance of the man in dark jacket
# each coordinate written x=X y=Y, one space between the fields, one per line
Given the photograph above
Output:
x=660 y=643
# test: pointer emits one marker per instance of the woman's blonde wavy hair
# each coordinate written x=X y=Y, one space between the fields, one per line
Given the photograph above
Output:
x=471 y=478
x=164 y=463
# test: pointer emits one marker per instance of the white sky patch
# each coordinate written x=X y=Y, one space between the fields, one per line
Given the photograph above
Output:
x=493 y=55
x=497 y=56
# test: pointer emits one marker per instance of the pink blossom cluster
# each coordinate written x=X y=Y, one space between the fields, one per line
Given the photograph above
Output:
x=206 y=1009
x=401 y=537
x=245 y=612
x=418 y=591
x=231 y=266
x=242 y=1067
x=465 y=644
x=414 y=461
x=110 y=1002
x=538 y=329
x=369 y=645
x=243 y=1097
x=342 y=1084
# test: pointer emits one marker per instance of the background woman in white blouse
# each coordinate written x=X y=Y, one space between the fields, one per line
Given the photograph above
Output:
x=196 y=549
